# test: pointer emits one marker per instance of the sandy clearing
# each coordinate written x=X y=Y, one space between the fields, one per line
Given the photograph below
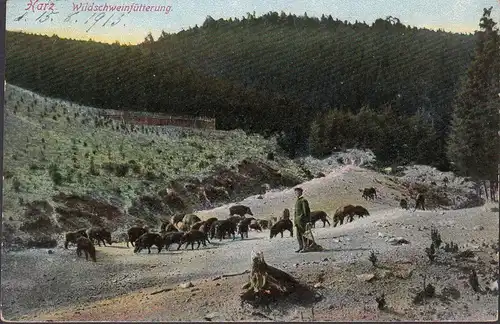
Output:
x=338 y=188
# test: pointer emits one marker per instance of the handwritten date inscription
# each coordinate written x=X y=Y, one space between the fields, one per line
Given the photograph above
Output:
x=108 y=20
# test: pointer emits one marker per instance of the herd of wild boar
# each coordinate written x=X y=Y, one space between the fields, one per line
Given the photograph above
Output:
x=190 y=229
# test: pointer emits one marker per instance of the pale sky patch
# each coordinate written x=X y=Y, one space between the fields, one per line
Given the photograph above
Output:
x=451 y=15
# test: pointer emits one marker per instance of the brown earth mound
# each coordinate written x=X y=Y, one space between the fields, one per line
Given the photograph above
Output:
x=443 y=197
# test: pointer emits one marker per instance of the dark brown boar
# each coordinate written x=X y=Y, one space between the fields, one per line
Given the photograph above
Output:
x=286 y=214
x=240 y=210
x=224 y=227
x=72 y=236
x=254 y=224
x=360 y=211
x=85 y=244
x=206 y=230
x=215 y=225
x=235 y=219
x=243 y=229
x=317 y=215
x=147 y=240
x=100 y=235
x=194 y=236
x=341 y=213
x=369 y=193
x=264 y=224
x=197 y=225
x=212 y=229
x=208 y=223
x=243 y=226
x=172 y=237
x=280 y=227
x=403 y=203
x=247 y=220
x=134 y=233
x=348 y=211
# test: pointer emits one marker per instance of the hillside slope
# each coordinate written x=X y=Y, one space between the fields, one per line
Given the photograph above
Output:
x=66 y=167
x=305 y=67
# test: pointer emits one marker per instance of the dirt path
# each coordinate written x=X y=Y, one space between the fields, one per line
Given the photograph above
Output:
x=340 y=187
x=118 y=286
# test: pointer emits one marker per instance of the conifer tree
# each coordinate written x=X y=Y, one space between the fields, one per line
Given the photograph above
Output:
x=319 y=144
x=473 y=144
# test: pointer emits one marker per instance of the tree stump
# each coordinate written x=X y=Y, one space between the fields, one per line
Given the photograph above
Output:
x=267 y=283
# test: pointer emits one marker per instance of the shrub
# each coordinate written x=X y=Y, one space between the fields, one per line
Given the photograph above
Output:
x=381 y=304
x=135 y=166
x=35 y=167
x=122 y=170
x=436 y=238
x=7 y=174
x=16 y=184
x=150 y=175
x=203 y=164
x=373 y=258
x=431 y=252
x=70 y=174
x=93 y=168
x=473 y=281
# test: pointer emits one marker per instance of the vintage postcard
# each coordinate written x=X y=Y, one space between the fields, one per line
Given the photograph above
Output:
x=250 y=160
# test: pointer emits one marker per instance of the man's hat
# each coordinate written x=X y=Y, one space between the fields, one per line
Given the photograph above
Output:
x=298 y=189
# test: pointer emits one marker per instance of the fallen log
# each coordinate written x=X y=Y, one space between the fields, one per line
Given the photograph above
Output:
x=161 y=291
x=235 y=274
x=267 y=283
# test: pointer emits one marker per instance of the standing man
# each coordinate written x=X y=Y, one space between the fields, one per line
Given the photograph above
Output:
x=302 y=217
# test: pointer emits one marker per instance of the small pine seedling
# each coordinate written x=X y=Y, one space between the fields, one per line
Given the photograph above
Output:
x=473 y=281
x=451 y=247
x=381 y=304
x=429 y=290
x=436 y=237
x=431 y=252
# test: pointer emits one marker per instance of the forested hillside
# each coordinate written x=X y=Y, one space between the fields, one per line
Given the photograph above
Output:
x=269 y=74
x=327 y=63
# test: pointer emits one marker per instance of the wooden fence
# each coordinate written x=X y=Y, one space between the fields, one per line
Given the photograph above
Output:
x=155 y=119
